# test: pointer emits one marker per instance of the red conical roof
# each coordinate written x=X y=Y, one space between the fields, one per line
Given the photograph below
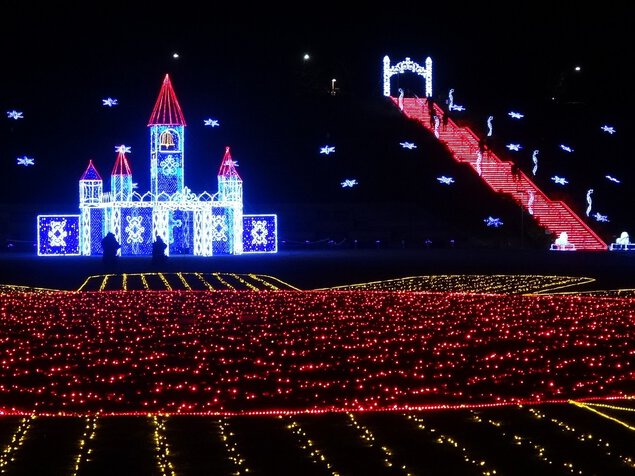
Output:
x=91 y=172
x=228 y=166
x=122 y=167
x=167 y=111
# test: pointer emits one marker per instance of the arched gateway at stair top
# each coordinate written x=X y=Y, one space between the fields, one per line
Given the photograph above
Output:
x=408 y=65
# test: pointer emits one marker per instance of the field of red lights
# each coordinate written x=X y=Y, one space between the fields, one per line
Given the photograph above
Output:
x=285 y=352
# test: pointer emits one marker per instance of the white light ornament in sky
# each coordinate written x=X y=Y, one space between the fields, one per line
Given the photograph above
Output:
x=559 y=180
x=489 y=126
x=15 y=115
x=495 y=222
x=589 y=201
x=566 y=148
x=514 y=147
x=110 y=102
x=400 y=99
x=211 y=122
x=609 y=129
x=534 y=158
x=26 y=161
x=451 y=105
x=408 y=65
x=613 y=179
x=349 y=183
x=601 y=218
x=122 y=148
x=445 y=180
x=408 y=145
x=327 y=149
x=515 y=115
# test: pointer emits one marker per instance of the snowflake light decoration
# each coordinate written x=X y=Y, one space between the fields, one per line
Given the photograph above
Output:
x=515 y=115
x=559 y=180
x=601 y=218
x=514 y=147
x=327 y=149
x=349 y=183
x=609 y=129
x=211 y=122
x=15 y=115
x=566 y=148
x=495 y=222
x=445 y=180
x=122 y=148
x=26 y=161
x=110 y=102
x=408 y=145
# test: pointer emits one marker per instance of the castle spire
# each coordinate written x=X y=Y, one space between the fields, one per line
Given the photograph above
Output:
x=122 y=167
x=167 y=110
x=91 y=172
x=228 y=167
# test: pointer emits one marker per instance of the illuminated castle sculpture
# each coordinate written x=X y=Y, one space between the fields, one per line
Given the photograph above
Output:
x=202 y=224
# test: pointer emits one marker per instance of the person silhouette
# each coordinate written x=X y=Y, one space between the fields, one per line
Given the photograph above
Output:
x=109 y=245
x=158 y=251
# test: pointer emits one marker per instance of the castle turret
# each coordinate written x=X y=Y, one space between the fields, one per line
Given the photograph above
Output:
x=167 y=126
x=230 y=185
x=121 y=179
x=91 y=186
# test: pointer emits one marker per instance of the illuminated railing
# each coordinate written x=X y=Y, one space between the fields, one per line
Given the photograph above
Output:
x=555 y=216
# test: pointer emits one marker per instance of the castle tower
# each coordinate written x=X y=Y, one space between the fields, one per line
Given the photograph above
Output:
x=230 y=185
x=91 y=186
x=166 y=144
x=121 y=179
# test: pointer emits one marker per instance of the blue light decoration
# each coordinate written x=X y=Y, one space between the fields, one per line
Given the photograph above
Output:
x=110 y=102
x=58 y=235
x=559 y=180
x=609 y=129
x=408 y=145
x=445 y=180
x=26 y=161
x=349 y=183
x=211 y=122
x=514 y=147
x=589 y=201
x=495 y=222
x=601 y=218
x=613 y=179
x=490 y=130
x=515 y=115
x=566 y=148
x=203 y=224
x=15 y=115
x=534 y=158
x=260 y=234
x=327 y=149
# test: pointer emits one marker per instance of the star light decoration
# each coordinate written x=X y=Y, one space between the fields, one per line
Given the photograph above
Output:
x=601 y=218
x=515 y=115
x=515 y=147
x=445 y=180
x=110 y=102
x=211 y=122
x=408 y=145
x=491 y=221
x=327 y=149
x=566 y=148
x=349 y=183
x=15 y=115
x=612 y=179
x=559 y=180
x=122 y=148
x=609 y=129
x=26 y=161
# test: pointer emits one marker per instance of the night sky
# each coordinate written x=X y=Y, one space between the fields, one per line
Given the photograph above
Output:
x=244 y=66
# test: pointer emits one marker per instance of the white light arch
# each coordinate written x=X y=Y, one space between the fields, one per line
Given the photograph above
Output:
x=408 y=65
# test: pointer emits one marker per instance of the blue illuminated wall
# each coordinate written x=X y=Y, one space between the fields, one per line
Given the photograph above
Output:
x=260 y=234
x=58 y=235
x=166 y=165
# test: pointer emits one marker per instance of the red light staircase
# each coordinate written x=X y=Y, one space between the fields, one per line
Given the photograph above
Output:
x=555 y=216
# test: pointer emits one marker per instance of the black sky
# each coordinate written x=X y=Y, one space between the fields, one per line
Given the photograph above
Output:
x=243 y=64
